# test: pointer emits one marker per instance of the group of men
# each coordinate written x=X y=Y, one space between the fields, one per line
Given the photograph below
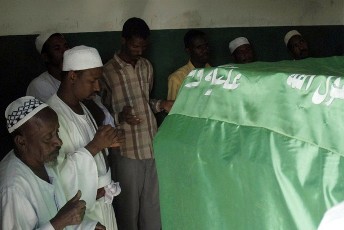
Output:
x=75 y=152
x=197 y=48
x=83 y=134
x=242 y=51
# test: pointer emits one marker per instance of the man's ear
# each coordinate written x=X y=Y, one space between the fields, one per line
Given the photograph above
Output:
x=20 y=142
x=71 y=75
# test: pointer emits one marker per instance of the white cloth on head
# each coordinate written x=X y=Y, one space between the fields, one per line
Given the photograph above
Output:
x=77 y=168
x=80 y=58
x=21 y=110
x=27 y=201
x=289 y=35
x=42 y=38
x=237 y=42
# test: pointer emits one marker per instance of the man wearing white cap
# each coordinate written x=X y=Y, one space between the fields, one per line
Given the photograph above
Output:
x=30 y=193
x=197 y=47
x=50 y=46
x=241 y=50
x=296 y=44
x=82 y=138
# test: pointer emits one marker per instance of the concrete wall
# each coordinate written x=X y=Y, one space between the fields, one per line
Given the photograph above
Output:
x=21 y=17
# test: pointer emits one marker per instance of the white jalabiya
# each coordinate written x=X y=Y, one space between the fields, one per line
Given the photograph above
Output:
x=78 y=169
x=43 y=86
x=27 y=201
x=333 y=218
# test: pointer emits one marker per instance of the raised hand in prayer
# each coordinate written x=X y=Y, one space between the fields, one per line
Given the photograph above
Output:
x=70 y=214
x=127 y=116
x=104 y=138
x=120 y=137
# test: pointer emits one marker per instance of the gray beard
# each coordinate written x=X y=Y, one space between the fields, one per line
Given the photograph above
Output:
x=52 y=163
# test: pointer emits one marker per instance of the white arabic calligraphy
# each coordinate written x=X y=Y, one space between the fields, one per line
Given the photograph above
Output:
x=335 y=91
x=297 y=80
x=214 y=79
x=332 y=90
x=319 y=97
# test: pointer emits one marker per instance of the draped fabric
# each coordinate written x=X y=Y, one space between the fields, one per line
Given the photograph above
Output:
x=254 y=146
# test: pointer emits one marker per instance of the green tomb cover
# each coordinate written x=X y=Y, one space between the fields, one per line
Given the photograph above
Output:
x=254 y=146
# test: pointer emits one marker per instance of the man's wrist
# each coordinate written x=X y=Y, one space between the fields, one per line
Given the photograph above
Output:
x=161 y=105
x=55 y=223
x=93 y=148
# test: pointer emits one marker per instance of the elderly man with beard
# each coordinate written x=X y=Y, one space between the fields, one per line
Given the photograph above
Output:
x=30 y=193
x=83 y=163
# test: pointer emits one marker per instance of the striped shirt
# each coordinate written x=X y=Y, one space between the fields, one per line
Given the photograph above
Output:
x=125 y=85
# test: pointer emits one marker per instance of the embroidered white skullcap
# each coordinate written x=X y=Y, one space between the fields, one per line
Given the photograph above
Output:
x=237 y=42
x=289 y=35
x=80 y=58
x=21 y=110
x=42 y=38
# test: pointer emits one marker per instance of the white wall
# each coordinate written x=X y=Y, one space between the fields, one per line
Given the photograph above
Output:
x=19 y=17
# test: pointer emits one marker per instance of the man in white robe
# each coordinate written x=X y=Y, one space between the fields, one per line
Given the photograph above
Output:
x=51 y=46
x=30 y=194
x=82 y=138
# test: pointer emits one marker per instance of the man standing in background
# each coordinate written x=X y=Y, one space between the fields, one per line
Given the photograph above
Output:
x=296 y=44
x=197 y=47
x=50 y=46
x=241 y=50
x=128 y=80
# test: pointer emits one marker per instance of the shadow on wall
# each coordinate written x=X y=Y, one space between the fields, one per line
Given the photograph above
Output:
x=20 y=62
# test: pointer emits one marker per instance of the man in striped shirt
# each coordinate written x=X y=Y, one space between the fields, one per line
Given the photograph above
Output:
x=127 y=82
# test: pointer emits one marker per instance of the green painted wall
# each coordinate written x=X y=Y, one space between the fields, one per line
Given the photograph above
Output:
x=20 y=62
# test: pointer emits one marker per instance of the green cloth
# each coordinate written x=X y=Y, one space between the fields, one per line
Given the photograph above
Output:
x=254 y=146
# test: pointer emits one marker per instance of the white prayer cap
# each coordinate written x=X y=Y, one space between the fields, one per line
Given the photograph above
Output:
x=236 y=43
x=289 y=35
x=42 y=38
x=21 y=110
x=80 y=58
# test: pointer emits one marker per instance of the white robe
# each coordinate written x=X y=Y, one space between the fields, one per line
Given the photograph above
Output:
x=77 y=168
x=333 y=218
x=27 y=201
x=43 y=87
